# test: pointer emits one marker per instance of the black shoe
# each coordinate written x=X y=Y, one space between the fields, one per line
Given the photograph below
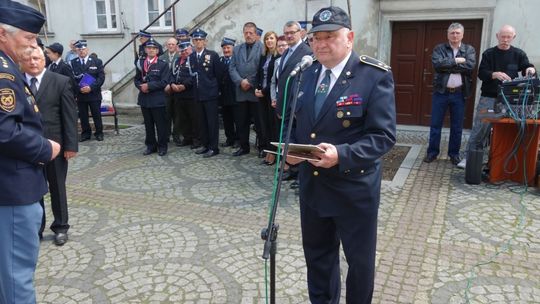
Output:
x=430 y=158
x=210 y=153
x=455 y=160
x=99 y=137
x=288 y=175
x=162 y=152
x=85 y=138
x=204 y=150
x=60 y=238
x=149 y=151
x=240 y=152
x=195 y=146
x=294 y=185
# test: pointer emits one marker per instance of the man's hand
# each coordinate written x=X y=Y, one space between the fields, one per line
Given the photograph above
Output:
x=500 y=76
x=460 y=60
x=274 y=103
x=245 y=85
x=328 y=159
x=86 y=90
x=69 y=154
x=168 y=89
x=530 y=71
x=144 y=88
x=55 y=149
x=259 y=93
x=294 y=160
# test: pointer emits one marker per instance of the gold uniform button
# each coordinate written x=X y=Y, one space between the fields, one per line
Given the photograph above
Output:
x=313 y=135
x=315 y=173
x=339 y=114
x=346 y=123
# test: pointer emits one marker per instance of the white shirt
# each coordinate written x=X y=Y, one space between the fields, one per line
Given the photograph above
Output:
x=454 y=81
x=38 y=77
x=336 y=71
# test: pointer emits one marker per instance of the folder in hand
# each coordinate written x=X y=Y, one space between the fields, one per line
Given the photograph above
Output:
x=86 y=80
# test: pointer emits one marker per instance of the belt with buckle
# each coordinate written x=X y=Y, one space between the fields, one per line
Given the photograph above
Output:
x=453 y=90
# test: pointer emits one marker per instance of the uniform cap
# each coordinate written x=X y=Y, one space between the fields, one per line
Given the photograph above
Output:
x=303 y=24
x=81 y=44
x=144 y=34
x=181 y=32
x=259 y=31
x=199 y=34
x=184 y=44
x=227 y=41
x=330 y=19
x=151 y=43
x=21 y=16
x=56 y=47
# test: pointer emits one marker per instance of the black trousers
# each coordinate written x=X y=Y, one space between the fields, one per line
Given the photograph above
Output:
x=56 y=172
x=171 y=116
x=95 y=109
x=209 y=123
x=268 y=122
x=246 y=111
x=229 y=124
x=155 y=118
x=188 y=118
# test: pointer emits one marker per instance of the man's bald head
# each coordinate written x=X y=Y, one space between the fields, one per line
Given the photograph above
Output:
x=505 y=37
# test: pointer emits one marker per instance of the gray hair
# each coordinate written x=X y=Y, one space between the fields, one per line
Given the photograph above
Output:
x=456 y=25
x=9 y=28
x=293 y=23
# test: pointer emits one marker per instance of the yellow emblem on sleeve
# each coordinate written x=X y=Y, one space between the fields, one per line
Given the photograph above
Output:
x=7 y=76
x=7 y=100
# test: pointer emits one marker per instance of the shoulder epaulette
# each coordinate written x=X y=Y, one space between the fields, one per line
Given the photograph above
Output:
x=374 y=62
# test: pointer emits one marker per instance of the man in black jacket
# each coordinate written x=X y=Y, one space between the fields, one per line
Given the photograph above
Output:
x=453 y=62
x=227 y=95
x=55 y=100
x=499 y=63
x=89 y=74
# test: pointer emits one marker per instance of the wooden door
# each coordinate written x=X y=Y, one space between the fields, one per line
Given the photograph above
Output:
x=412 y=45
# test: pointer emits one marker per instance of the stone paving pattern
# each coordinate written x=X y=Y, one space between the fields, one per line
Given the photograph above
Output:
x=182 y=229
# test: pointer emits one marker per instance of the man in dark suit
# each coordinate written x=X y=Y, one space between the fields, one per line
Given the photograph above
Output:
x=297 y=49
x=172 y=110
x=243 y=71
x=55 y=99
x=88 y=72
x=205 y=63
x=23 y=151
x=346 y=107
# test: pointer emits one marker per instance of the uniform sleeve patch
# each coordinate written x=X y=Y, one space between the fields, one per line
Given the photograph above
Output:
x=7 y=100
x=7 y=76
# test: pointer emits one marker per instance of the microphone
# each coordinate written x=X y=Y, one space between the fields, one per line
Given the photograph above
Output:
x=305 y=63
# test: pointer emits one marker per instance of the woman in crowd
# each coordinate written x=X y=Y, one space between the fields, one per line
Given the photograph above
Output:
x=266 y=110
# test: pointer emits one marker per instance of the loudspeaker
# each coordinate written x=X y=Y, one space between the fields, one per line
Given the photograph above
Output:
x=473 y=167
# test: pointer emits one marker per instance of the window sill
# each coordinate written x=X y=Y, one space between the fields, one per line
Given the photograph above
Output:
x=103 y=35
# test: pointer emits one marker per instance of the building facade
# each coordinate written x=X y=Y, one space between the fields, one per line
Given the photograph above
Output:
x=399 y=32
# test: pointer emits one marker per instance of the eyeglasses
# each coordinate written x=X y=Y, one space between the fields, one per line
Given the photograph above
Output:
x=290 y=33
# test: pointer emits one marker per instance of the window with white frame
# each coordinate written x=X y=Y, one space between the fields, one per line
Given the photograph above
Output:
x=106 y=15
x=156 y=7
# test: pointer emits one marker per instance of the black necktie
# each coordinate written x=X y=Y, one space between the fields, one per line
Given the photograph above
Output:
x=53 y=67
x=82 y=61
x=33 y=86
x=322 y=92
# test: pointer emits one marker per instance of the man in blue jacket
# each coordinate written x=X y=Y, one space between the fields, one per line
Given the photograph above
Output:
x=346 y=107
x=23 y=152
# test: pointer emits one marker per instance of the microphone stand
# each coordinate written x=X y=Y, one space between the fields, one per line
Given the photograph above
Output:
x=270 y=233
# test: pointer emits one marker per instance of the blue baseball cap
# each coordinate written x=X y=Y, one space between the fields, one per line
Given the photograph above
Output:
x=330 y=19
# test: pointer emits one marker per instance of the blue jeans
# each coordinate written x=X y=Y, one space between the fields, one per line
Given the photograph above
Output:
x=455 y=102
x=19 y=249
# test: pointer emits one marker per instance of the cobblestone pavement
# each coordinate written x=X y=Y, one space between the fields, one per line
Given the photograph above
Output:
x=182 y=229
